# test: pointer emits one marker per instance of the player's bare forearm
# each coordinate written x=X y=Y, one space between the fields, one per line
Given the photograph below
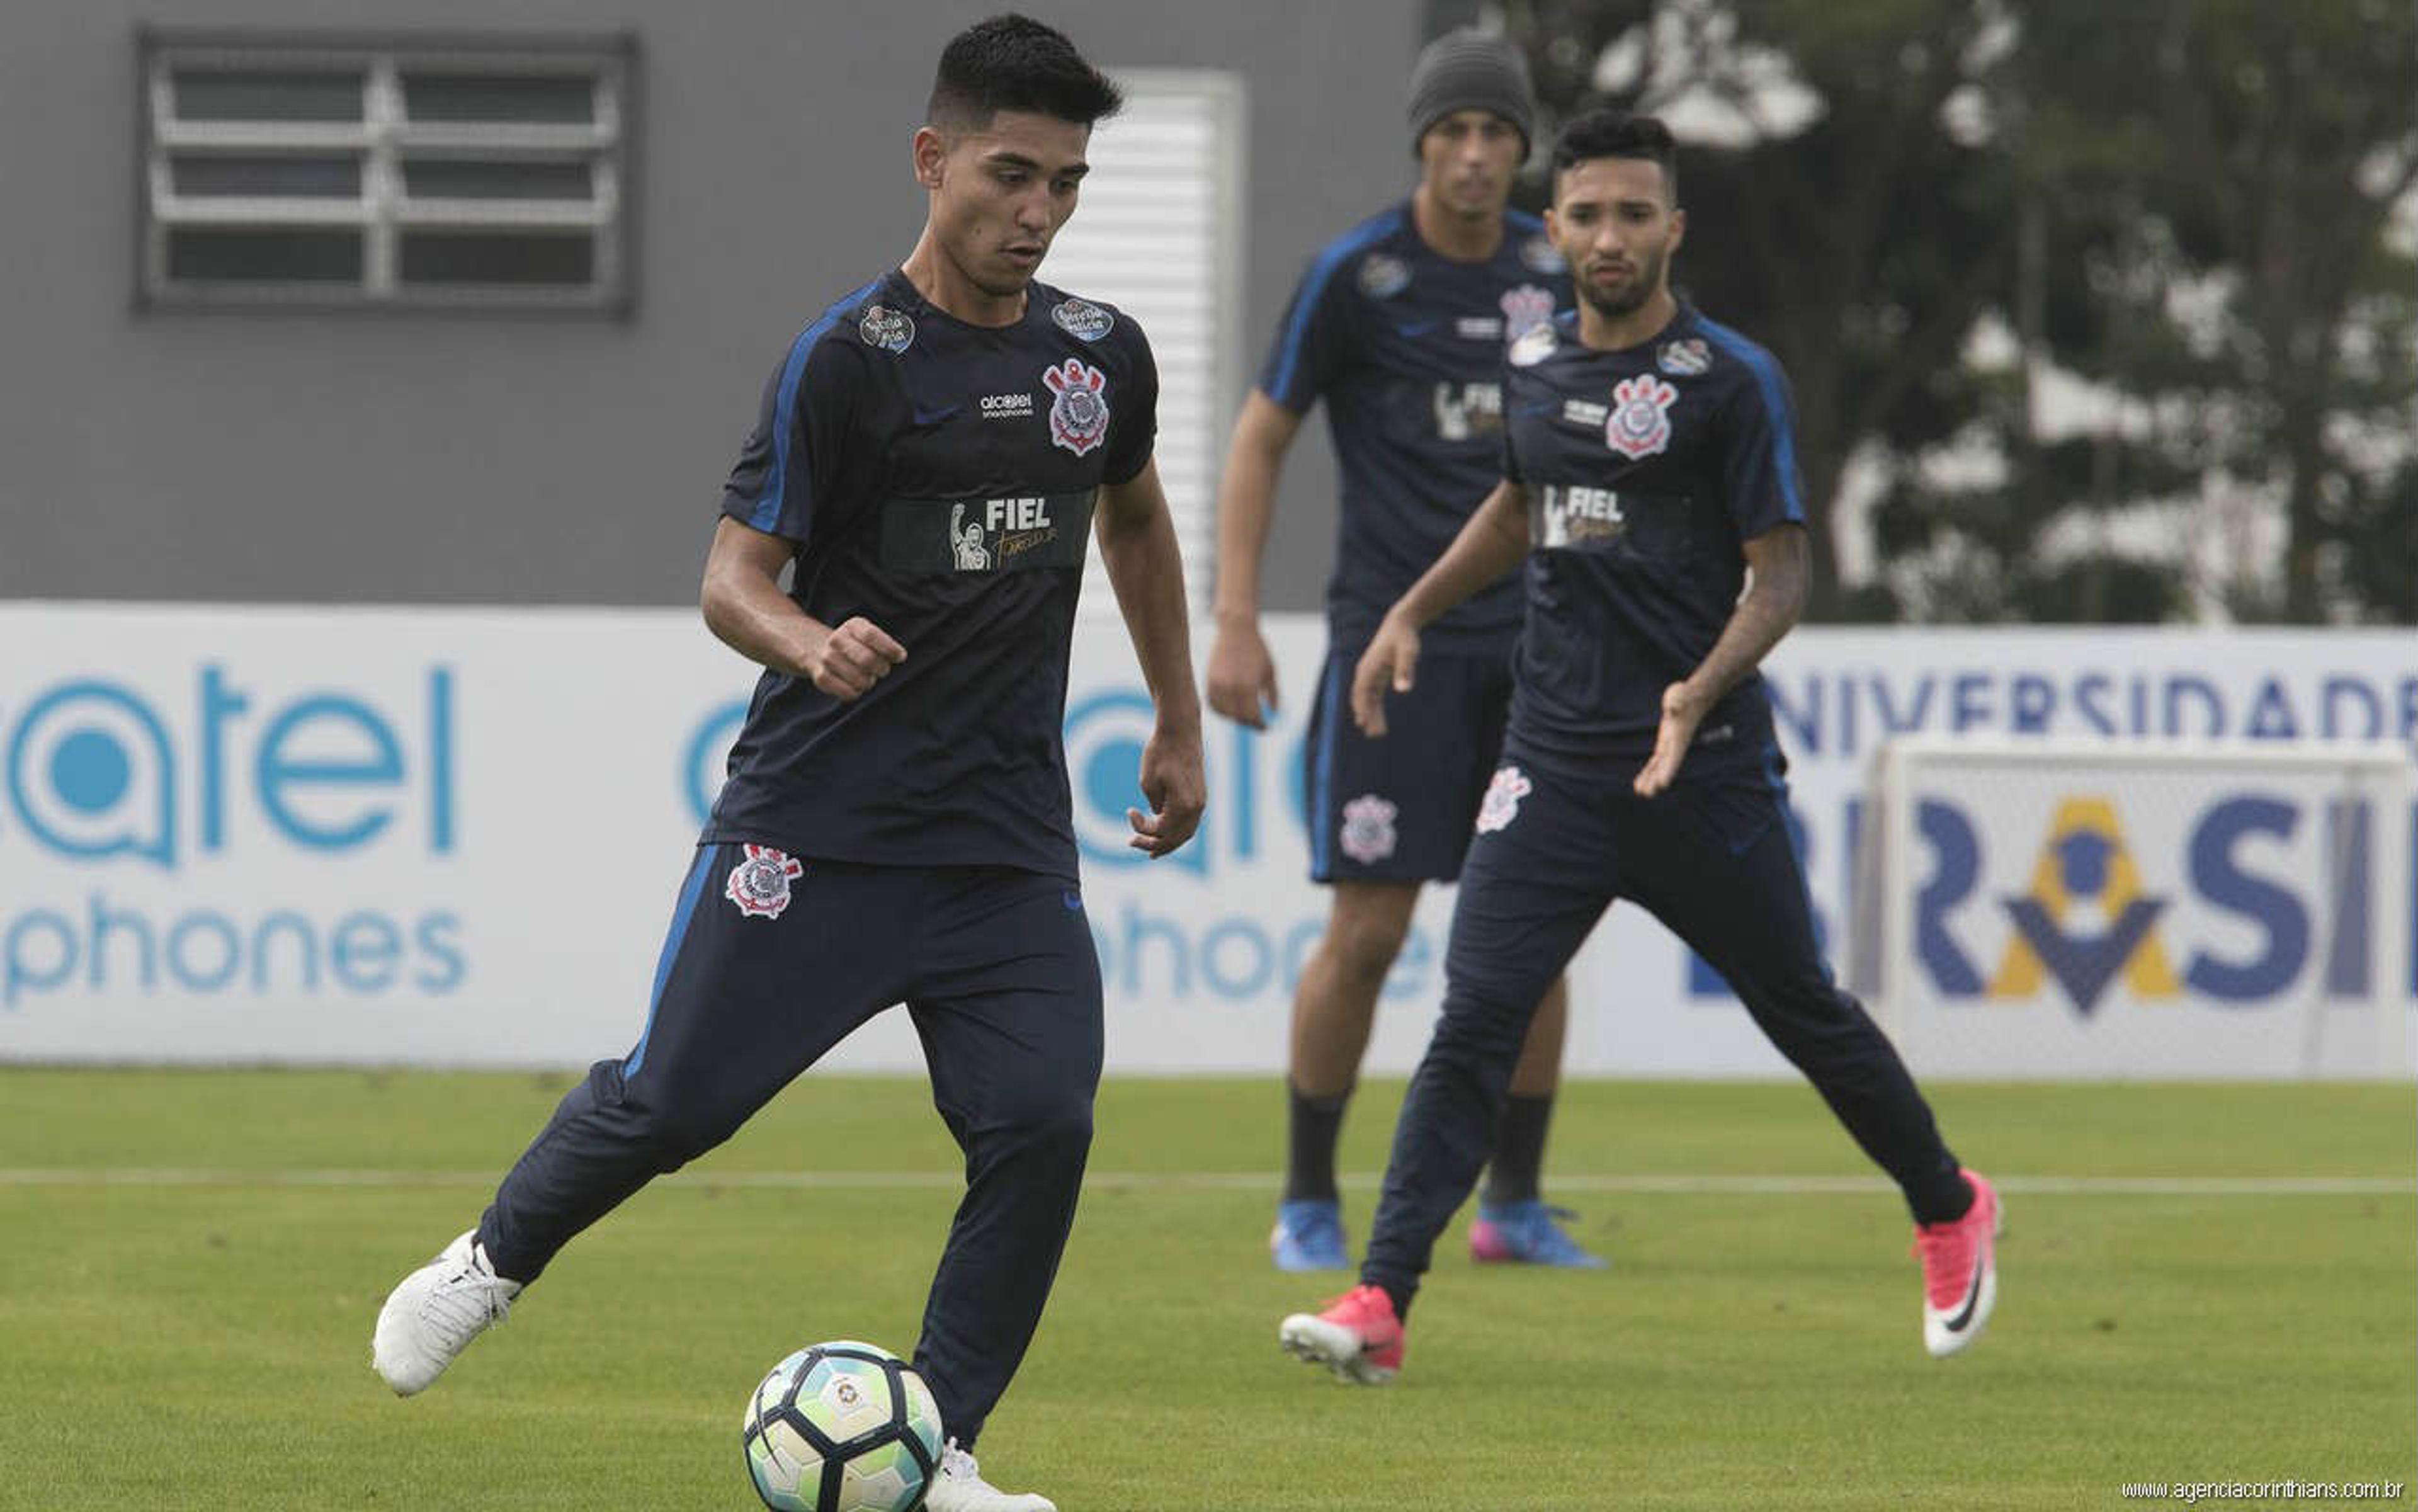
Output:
x=1246 y=491
x=1242 y=674
x=743 y=603
x=1774 y=598
x=1147 y=568
x=747 y=610
x=1780 y=561
x=1493 y=542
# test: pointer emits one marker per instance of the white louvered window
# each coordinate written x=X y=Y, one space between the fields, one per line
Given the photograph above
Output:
x=426 y=172
x=1160 y=234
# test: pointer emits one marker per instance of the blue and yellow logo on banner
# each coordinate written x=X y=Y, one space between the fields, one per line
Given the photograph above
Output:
x=2086 y=919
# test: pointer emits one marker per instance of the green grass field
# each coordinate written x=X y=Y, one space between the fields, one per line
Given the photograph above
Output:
x=194 y=1262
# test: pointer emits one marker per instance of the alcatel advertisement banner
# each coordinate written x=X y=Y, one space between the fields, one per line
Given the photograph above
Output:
x=455 y=837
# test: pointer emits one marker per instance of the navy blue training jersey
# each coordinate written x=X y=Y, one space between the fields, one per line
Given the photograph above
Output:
x=938 y=479
x=1646 y=470
x=1406 y=346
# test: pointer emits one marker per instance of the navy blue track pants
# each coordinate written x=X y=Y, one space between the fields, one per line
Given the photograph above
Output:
x=772 y=961
x=1712 y=859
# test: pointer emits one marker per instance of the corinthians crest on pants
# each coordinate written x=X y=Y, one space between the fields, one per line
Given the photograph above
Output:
x=760 y=884
x=1501 y=804
x=1640 y=424
x=1079 y=417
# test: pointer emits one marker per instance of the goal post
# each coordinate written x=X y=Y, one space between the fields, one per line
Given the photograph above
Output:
x=2144 y=909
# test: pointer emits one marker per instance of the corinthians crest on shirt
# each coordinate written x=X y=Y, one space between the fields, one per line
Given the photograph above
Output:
x=1640 y=423
x=759 y=884
x=1079 y=416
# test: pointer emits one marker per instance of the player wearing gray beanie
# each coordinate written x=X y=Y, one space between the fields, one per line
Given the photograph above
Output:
x=1400 y=326
x=1469 y=70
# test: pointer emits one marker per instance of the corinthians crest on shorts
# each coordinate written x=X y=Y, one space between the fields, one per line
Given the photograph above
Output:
x=760 y=885
x=1640 y=424
x=1368 y=828
x=1079 y=417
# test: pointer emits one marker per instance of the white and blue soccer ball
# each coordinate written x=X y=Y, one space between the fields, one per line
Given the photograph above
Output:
x=842 y=1426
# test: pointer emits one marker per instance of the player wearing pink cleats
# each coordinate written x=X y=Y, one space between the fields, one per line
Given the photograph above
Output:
x=1960 y=1270
x=1359 y=1336
x=1664 y=556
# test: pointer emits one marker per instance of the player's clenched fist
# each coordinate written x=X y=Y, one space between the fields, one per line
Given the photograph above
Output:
x=1385 y=664
x=852 y=657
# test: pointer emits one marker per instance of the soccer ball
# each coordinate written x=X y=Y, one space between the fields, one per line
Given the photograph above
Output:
x=842 y=1426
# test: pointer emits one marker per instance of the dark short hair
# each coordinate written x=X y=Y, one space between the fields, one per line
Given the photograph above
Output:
x=1013 y=61
x=1614 y=134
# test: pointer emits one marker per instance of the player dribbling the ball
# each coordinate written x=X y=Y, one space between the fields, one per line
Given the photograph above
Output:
x=896 y=823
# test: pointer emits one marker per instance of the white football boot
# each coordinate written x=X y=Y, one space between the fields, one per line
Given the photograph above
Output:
x=959 y=1487
x=435 y=1311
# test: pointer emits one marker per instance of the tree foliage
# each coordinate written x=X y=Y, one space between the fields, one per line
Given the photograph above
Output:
x=2172 y=216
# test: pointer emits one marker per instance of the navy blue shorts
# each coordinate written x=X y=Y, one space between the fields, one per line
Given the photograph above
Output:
x=1399 y=809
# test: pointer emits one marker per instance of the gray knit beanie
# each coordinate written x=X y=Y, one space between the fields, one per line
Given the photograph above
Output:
x=1469 y=70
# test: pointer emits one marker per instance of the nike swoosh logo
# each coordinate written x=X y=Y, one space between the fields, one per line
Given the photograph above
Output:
x=1972 y=1298
x=1417 y=327
x=934 y=417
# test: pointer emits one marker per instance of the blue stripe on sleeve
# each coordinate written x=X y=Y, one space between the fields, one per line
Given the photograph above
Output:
x=767 y=512
x=1775 y=404
x=1313 y=289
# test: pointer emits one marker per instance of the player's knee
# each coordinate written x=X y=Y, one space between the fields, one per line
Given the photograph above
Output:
x=1489 y=1018
x=1493 y=982
x=675 y=1145
x=1066 y=1130
x=677 y=1131
x=1812 y=1008
x=1057 y=1127
x=1364 y=949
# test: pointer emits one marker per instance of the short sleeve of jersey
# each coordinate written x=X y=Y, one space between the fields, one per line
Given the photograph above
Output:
x=1311 y=339
x=1133 y=424
x=1760 y=470
x=790 y=462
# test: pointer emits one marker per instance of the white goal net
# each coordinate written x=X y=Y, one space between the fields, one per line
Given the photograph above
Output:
x=2079 y=909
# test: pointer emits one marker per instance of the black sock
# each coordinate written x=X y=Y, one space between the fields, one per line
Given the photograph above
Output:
x=1310 y=1152
x=1515 y=1172
x=1401 y=1297
x=1946 y=1197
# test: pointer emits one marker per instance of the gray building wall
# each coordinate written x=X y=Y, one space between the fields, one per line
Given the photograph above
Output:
x=456 y=458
